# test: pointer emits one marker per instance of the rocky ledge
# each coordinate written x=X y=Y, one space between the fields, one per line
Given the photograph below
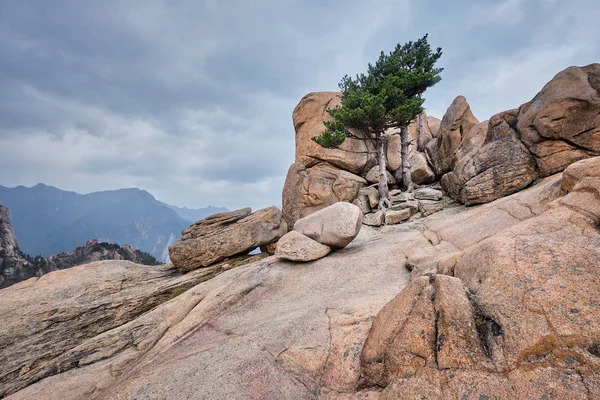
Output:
x=498 y=297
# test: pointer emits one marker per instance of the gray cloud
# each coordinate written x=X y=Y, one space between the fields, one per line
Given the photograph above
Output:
x=192 y=100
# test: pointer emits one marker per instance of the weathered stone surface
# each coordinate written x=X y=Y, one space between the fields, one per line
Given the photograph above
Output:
x=213 y=222
x=472 y=140
x=562 y=123
x=75 y=317
x=521 y=306
x=580 y=170
x=309 y=190
x=412 y=205
x=373 y=176
x=373 y=196
x=362 y=202
x=246 y=234
x=295 y=246
x=304 y=342
x=397 y=196
x=428 y=207
x=308 y=117
x=427 y=194
x=335 y=226
x=374 y=218
x=420 y=171
x=395 y=217
x=393 y=155
x=433 y=124
x=457 y=122
x=502 y=166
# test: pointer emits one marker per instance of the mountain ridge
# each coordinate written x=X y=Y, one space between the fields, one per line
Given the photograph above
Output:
x=48 y=220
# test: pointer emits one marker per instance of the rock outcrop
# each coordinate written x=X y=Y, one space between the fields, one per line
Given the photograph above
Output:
x=521 y=270
x=224 y=235
x=558 y=127
x=521 y=307
x=455 y=125
x=562 y=123
x=14 y=266
x=308 y=190
x=320 y=177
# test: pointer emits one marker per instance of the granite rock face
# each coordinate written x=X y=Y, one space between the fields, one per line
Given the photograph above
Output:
x=224 y=235
x=559 y=126
x=480 y=301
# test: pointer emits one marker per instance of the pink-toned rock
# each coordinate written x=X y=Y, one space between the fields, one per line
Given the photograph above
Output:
x=457 y=122
x=308 y=117
x=561 y=124
x=335 y=226
x=295 y=246
x=308 y=190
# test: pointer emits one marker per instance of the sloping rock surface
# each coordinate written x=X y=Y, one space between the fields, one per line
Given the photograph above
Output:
x=511 y=285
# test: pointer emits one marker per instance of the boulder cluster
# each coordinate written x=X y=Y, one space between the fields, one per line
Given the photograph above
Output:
x=475 y=162
x=315 y=235
x=320 y=176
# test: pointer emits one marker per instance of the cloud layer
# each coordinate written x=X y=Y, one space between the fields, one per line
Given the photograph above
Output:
x=192 y=100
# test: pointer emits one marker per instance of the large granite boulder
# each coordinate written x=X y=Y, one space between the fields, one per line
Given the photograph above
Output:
x=307 y=190
x=294 y=246
x=457 y=122
x=224 y=235
x=335 y=226
x=562 y=123
x=308 y=117
x=420 y=170
x=501 y=166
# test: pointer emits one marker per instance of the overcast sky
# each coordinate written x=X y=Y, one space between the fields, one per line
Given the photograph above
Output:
x=192 y=100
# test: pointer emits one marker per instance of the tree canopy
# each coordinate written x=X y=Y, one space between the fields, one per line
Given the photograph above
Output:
x=388 y=96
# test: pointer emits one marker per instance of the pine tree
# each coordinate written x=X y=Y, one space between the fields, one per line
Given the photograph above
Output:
x=387 y=98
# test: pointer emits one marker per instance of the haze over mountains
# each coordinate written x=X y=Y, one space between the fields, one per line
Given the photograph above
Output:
x=47 y=220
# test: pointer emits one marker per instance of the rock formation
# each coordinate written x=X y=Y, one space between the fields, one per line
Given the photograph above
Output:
x=499 y=296
x=14 y=266
x=320 y=177
x=223 y=235
x=558 y=127
x=497 y=301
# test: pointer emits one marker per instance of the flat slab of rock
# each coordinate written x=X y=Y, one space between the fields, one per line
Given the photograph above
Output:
x=428 y=194
x=373 y=219
x=225 y=240
x=295 y=246
x=335 y=226
x=212 y=222
x=394 y=217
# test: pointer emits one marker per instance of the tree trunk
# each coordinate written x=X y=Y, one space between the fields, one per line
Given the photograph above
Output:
x=406 y=178
x=384 y=198
x=420 y=146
